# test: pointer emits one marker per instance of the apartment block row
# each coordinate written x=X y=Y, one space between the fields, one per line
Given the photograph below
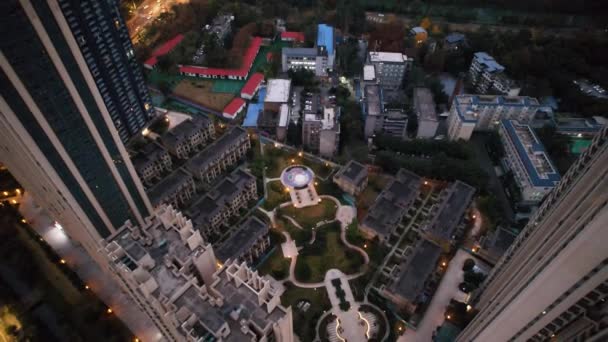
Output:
x=471 y=113
x=175 y=278
x=223 y=202
x=218 y=157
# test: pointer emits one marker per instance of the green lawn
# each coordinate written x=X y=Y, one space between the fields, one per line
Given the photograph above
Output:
x=308 y=217
x=276 y=195
x=276 y=264
x=300 y=236
x=325 y=253
x=305 y=322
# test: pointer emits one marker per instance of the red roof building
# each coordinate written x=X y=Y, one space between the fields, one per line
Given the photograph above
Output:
x=233 y=74
x=251 y=87
x=234 y=108
x=293 y=36
x=164 y=49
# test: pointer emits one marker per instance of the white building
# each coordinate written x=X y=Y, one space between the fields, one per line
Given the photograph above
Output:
x=390 y=68
x=487 y=75
x=159 y=265
x=526 y=157
x=484 y=112
x=277 y=93
x=424 y=107
x=319 y=59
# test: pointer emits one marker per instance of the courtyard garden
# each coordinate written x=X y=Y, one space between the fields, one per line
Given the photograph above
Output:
x=308 y=306
x=326 y=252
x=278 y=158
x=308 y=217
x=276 y=264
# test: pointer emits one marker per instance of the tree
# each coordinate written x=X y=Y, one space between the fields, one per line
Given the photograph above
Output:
x=468 y=265
x=302 y=271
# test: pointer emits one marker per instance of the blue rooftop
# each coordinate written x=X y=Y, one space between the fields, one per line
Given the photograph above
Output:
x=488 y=62
x=471 y=101
x=325 y=37
x=253 y=111
x=455 y=37
x=531 y=152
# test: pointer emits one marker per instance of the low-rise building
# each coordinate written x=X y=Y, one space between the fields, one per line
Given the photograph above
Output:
x=424 y=107
x=420 y=34
x=277 y=93
x=176 y=189
x=247 y=244
x=391 y=205
x=252 y=86
x=151 y=161
x=233 y=108
x=580 y=127
x=408 y=283
x=487 y=75
x=188 y=136
x=352 y=177
x=222 y=202
x=525 y=156
x=292 y=36
x=484 y=112
x=454 y=41
x=390 y=68
x=172 y=275
x=223 y=153
x=447 y=215
x=321 y=133
x=495 y=244
x=319 y=59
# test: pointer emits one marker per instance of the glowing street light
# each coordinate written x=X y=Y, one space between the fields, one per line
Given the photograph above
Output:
x=62 y=261
x=109 y=311
x=87 y=287
x=293 y=160
x=299 y=154
x=23 y=220
x=449 y=317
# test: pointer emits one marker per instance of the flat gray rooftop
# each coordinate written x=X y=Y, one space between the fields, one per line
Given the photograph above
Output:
x=242 y=240
x=451 y=210
x=210 y=154
x=415 y=272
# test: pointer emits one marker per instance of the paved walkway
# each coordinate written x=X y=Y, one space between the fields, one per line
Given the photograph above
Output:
x=448 y=289
x=350 y=326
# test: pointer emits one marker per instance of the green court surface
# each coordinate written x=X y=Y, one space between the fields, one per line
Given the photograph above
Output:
x=227 y=86
x=578 y=146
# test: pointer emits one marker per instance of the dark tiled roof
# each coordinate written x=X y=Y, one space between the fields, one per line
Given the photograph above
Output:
x=417 y=270
x=241 y=241
x=451 y=210
x=173 y=181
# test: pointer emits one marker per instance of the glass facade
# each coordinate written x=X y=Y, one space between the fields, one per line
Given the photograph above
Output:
x=27 y=56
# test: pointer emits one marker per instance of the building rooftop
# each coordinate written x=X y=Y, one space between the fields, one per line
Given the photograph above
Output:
x=424 y=105
x=369 y=72
x=328 y=119
x=353 y=172
x=455 y=37
x=158 y=258
x=467 y=105
x=252 y=84
x=254 y=109
x=393 y=202
x=539 y=168
x=277 y=90
x=163 y=50
x=416 y=271
x=582 y=125
x=212 y=152
x=488 y=62
x=373 y=99
x=450 y=211
x=325 y=37
x=183 y=130
x=234 y=107
x=418 y=29
x=284 y=115
x=174 y=181
x=243 y=239
x=302 y=52
x=147 y=155
x=215 y=200
x=499 y=241
x=243 y=71
x=387 y=57
x=295 y=36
